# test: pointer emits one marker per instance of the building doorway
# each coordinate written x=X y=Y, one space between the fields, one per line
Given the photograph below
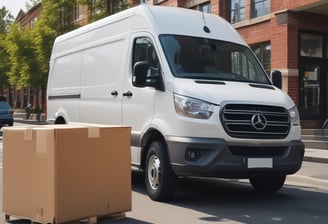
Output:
x=313 y=78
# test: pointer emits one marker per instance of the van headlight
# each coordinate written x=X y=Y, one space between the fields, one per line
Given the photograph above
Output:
x=191 y=107
x=294 y=116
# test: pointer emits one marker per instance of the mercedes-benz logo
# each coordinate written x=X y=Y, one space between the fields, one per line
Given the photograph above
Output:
x=259 y=122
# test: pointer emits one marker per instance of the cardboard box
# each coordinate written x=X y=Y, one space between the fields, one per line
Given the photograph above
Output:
x=61 y=173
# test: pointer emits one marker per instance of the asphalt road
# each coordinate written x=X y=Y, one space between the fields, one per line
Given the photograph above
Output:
x=222 y=201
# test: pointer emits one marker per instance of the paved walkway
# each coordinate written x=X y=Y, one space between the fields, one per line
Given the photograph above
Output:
x=316 y=155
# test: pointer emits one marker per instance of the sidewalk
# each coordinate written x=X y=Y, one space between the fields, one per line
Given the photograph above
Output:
x=316 y=155
x=29 y=121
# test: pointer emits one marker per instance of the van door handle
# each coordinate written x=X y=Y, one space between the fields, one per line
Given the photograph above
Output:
x=128 y=94
x=114 y=93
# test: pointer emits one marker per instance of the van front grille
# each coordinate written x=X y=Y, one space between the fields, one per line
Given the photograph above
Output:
x=255 y=121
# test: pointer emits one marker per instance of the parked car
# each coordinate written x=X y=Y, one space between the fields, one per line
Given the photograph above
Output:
x=6 y=114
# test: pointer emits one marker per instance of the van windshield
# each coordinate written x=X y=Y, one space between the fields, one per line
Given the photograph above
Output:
x=202 y=58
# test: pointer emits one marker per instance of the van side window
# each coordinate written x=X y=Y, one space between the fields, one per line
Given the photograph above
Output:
x=144 y=50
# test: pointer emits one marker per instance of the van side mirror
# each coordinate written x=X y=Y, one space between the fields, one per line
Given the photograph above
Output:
x=276 y=78
x=140 y=70
x=141 y=76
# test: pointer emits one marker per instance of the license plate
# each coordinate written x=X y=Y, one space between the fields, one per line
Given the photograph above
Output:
x=260 y=163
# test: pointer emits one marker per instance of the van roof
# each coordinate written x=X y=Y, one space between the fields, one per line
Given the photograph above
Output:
x=168 y=20
x=175 y=20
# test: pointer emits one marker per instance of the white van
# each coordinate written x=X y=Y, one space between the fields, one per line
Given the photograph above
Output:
x=197 y=99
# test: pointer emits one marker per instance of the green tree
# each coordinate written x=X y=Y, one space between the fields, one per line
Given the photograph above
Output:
x=4 y=65
x=22 y=55
x=115 y=6
x=5 y=20
x=98 y=9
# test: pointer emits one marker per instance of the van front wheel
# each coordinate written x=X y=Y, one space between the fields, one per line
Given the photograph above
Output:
x=160 y=180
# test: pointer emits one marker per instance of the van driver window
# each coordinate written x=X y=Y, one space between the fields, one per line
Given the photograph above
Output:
x=144 y=51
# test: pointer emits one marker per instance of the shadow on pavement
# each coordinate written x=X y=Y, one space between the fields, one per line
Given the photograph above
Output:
x=237 y=202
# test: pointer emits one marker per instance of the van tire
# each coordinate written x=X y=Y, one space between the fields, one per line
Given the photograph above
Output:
x=160 y=180
x=267 y=184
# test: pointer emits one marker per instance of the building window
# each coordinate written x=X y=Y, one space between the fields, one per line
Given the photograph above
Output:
x=78 y=12
x=205 y=7
x=311 y=45
x=143 y=1
x=114 y=6
x=263 y=53
x=237 y=10
x=33 y=21
x=260 y=8
x=158 y=1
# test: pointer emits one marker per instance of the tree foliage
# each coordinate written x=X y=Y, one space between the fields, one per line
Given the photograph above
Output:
x=98 y=9
x=4 y=63
x=22 y=56
x=5 y=20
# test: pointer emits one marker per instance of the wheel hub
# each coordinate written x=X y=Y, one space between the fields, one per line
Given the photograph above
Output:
x=154 y=172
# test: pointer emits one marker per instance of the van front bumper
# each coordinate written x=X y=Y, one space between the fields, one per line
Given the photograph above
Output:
x=208 y=157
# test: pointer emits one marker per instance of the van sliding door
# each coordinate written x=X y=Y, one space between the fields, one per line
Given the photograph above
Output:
x=101 y=84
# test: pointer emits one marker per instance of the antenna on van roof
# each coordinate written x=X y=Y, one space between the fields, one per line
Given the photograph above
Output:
x=205 y=28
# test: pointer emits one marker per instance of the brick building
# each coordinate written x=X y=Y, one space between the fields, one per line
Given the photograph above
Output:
x=289 y=36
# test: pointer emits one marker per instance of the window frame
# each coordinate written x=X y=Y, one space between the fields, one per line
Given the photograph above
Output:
x=232 y=11
x=263 y=3
x=310 y=37
x=202 y=7
x=262 y=54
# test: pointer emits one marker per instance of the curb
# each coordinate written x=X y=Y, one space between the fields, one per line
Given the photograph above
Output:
x=24 y=121
x=315 y=159
x=307 y=181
